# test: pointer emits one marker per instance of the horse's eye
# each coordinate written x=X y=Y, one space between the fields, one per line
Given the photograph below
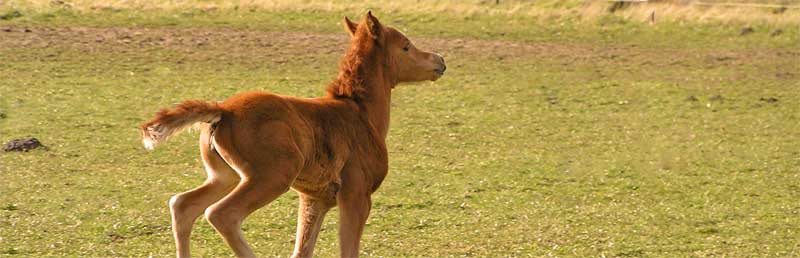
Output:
x=405 y=48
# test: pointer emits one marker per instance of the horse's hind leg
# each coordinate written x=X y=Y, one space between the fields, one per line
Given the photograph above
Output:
x=227 y=215
x=187 y=206
x=267 y=167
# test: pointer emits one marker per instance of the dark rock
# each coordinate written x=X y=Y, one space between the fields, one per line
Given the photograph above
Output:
x=776 y=32
x=24 y=144
x=780 y=10
x=768 y=100
x=552 y=100
x=617 y=6
x=723 y=58
x=691 y=98
x=746 y=30
x=10 y=15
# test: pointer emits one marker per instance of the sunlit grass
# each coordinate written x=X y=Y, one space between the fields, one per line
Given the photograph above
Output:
x=535 y=145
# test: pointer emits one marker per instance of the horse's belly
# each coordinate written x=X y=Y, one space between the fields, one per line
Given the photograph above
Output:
x=318 y=183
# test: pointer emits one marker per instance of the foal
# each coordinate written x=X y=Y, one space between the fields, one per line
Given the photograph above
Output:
x=331 y=149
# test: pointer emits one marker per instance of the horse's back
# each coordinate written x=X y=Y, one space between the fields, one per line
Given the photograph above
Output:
x=321 y=127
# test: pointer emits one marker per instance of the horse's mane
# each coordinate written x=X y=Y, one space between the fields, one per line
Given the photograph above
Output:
x=357 y=63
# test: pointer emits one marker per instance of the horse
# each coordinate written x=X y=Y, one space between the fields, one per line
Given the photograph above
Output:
x=331 y=149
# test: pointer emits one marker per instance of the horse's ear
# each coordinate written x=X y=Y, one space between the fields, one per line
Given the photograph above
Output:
x=350 y=26
x=373 y=25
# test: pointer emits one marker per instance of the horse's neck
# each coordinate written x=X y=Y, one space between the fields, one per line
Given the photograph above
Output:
x=377 y=86
x=377 y=103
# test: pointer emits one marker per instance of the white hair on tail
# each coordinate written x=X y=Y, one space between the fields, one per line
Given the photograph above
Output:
x=153 y=136
x=169 y=122
x=149 y=144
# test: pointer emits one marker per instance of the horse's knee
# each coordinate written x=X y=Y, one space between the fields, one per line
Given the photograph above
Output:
x=220 y=218
x=176 y=203
x=214 y=216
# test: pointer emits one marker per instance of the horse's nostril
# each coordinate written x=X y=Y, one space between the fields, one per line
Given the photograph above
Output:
x=441 y=58
x=444 y=68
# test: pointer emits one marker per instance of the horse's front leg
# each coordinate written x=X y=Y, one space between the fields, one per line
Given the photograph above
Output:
x=354 y=207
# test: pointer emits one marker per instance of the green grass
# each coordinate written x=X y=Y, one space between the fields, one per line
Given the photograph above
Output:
x=537 y=145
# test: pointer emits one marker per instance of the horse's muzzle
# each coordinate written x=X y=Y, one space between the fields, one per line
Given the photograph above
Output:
x=442 y=67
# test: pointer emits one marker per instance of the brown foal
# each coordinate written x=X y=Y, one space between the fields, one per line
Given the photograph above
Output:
x=331 y=149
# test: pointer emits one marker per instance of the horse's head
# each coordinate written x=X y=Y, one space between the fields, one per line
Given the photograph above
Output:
x=408 y=62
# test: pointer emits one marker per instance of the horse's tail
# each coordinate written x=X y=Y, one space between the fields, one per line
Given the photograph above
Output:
x=169 y=122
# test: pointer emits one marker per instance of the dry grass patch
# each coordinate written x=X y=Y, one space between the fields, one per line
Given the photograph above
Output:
x=769 y=12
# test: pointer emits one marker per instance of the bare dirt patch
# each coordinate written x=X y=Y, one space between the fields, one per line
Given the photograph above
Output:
x=233 y=44
x=242 y=41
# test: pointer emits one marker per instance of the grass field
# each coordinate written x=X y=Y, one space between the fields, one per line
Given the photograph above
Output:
x=548 y=136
